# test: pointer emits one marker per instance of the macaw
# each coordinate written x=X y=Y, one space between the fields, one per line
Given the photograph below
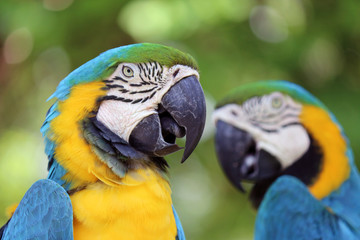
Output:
x=279 y=137
x=113 y=121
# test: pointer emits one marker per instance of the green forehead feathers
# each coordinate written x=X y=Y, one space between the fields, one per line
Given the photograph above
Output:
x=166 y=56
x=257 y=89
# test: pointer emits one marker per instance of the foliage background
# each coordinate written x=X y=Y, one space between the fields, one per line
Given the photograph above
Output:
x=313 y=43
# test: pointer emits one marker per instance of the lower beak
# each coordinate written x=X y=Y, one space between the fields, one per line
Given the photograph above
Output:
x=239 y=157
x=182 y=112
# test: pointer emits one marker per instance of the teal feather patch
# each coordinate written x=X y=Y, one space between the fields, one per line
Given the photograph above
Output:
x=106 y=153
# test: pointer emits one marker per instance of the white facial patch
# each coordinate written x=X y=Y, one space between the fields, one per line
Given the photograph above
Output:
x=273 y=122
x=135 y=91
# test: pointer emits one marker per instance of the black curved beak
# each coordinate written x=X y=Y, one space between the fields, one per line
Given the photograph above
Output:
x=182 y=112
x=239 y=157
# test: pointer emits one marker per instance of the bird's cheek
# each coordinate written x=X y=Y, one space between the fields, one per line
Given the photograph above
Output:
x=287 y=145
x=293 y=144
x=121 y=118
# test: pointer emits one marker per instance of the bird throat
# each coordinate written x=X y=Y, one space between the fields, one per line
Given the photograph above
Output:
x=306 y=169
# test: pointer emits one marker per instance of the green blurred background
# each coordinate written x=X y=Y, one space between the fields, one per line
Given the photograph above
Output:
x=313 y=43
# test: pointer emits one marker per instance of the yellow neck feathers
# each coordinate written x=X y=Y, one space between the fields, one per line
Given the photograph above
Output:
x=138 y=206
x=335 y=168
x=72 y=151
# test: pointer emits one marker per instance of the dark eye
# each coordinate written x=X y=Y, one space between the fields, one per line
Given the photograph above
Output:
x=276 y=102
x=127 y=71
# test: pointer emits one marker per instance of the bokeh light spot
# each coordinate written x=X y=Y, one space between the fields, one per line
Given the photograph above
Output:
x=322 y=62
x=18 y=46
x=292 y=10
x=57 y=5
x=51 y=66
x=156 y=20
x=212 y=12
x=22 y=160
x=209 y=124
x=194 y=188
x=148 y=20
x=268 y=25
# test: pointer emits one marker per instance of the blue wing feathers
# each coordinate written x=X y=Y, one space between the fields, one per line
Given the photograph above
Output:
x=180 y=230
x=345 y=202
x=289 y=211
x=45 y=212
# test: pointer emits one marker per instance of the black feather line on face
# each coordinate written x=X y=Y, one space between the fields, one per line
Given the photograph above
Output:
x=145 y=99
x=114 y=86
x=123 y=91
x=143 y=81
x=138 y=84
x=144 y=91
x=152 y=94
x=146 y=70
x=154 y=68
x=137 y=100
x=121 y=79
x=112 y=97
x=142 y=69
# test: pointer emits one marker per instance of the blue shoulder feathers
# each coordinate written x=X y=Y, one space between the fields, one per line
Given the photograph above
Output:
x=289 y=211
x=45 y=213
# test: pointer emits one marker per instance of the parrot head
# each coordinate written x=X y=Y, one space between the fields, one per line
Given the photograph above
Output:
x=272 y=128
x=124 y=110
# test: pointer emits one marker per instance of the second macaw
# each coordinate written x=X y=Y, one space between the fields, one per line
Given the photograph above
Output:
x=113 y=121
x=284 y=140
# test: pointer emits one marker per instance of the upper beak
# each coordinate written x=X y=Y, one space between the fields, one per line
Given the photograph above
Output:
x=182 y=111
x=239 y=157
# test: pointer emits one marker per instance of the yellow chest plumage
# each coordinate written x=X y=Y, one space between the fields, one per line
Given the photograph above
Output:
x=140 y=208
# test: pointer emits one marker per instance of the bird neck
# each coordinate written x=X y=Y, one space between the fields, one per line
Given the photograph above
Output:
x=71 y=150
x=335 y=166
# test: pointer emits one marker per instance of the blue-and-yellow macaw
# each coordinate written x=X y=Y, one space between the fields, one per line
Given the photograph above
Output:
x=279 y=136
x=113 y=120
